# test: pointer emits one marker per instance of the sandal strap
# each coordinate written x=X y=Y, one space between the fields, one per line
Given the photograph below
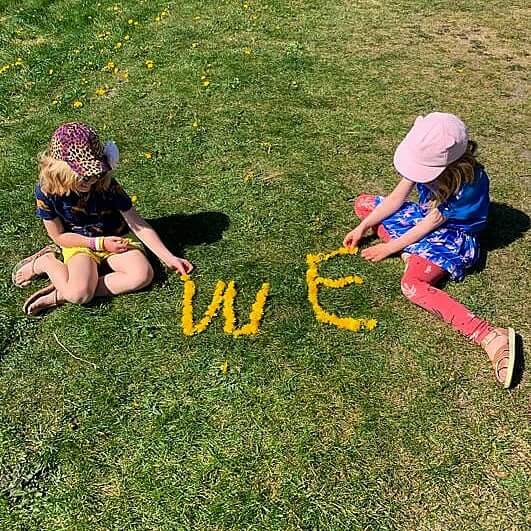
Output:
x=495 y=333
x=501 y=354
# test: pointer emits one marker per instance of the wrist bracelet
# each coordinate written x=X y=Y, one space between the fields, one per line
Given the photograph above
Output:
x=100 y=243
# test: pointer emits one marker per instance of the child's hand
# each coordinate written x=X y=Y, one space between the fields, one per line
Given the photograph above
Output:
x=354 y=236
x=115 y=244
x=179 y=264
x=376 y=252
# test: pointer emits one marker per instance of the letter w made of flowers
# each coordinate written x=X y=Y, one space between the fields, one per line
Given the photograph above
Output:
x=224 y=295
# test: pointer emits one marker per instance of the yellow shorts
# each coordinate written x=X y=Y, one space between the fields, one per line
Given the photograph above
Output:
x=97 y=256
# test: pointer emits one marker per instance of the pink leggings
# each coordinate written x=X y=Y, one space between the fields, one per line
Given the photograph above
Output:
x=418 y=285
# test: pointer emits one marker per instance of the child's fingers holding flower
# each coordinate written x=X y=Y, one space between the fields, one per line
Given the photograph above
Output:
x=376 y=253
x=115 y=244
x=179 y=264
x=353 y=237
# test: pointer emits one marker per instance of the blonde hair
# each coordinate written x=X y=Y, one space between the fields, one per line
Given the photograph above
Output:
x=57 y=178
x=459 y=172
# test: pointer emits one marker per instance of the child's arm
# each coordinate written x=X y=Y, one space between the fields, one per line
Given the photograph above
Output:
x=387 y=207
x=56 y=232
x=431 y=221
x=147 y=235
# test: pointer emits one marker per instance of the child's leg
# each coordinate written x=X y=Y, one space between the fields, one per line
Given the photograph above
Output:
x=418 y=283
x=131 y=272
x=364 y=204
x=75 y=281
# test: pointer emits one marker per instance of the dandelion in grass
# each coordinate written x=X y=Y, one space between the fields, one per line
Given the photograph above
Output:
x=134 y=199
x=77 y=104
x=224 y=367
x=150 y=64
x=100 y=91
x=118 y=45
x=195 y=44
x=247 y=51
x=206 y=82
x=148 y=155
x=195 y=125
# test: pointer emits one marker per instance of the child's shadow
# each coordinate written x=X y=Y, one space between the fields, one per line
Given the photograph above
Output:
x=178 y=231
x=505 y=225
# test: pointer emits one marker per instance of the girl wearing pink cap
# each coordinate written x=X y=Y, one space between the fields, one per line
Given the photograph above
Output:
x=88 y=215
x=438 y=236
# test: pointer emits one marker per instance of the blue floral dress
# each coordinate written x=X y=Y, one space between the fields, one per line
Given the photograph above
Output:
x=454 y=246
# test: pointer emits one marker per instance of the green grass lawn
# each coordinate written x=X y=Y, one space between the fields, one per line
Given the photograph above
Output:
x=134 y=425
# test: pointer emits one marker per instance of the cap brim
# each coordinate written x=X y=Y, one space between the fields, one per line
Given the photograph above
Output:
x=102 y=167
x=411 y=170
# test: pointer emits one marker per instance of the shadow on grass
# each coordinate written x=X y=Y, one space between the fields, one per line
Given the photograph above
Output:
x=506 y=225
x=519 y=362
x=179 y=231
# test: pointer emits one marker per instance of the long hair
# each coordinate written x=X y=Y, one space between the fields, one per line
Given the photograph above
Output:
x=57 y=178
x=459 y=172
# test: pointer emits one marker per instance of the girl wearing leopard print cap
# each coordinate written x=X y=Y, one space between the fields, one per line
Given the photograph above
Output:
x=87 y=215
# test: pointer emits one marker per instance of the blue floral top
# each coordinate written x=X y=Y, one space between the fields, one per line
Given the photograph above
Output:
x=453 y=246
x=89 y=214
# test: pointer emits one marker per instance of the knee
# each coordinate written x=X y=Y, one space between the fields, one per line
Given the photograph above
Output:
x=80 y=295
x=142 y=275
x=363 y=205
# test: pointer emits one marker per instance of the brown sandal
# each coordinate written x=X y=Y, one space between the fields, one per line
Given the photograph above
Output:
x=50 y=288
x=504 y=352
x=45 y=250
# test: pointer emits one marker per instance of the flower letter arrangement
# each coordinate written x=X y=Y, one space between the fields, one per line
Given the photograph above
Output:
x=224 y=294
x=314 y=281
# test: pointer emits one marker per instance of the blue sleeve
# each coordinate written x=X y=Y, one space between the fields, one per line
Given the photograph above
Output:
x=121 y=201
x=45 y=208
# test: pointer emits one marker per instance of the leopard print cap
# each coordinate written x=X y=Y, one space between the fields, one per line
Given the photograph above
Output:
x=79 y=146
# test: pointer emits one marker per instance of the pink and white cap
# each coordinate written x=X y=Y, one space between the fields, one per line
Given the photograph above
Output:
x=435 y=141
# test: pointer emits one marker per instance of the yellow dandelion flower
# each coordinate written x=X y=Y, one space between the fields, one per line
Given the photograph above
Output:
x=247 y=51
x=149 y=64
x=130 y=21
x=118 y=45
x=195 y=44
x=134 y=199
x=195 y=124
x=245 y=6
x=77 y=104
x=148 y=155
x=370 y=324
x=19 y=61
x=101 y=91
x=224 y=367
x=109 y=66
x=157 y=19
x=206 y=82
x=126 y=37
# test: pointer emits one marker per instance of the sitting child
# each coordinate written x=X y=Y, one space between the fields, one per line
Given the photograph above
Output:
x=439 y=235
x=87 y=214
